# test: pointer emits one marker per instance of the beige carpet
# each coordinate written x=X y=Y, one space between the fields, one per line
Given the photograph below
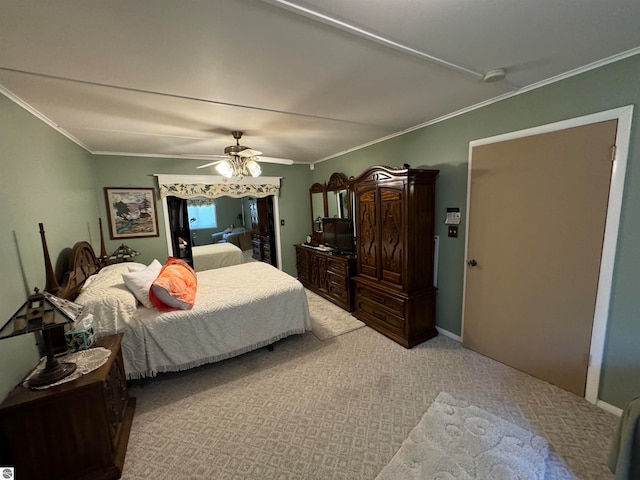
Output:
x=329 y=320
x=460 y=441
x=340 y=410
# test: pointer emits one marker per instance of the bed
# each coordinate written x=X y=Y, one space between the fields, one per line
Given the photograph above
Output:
x=237 y=309
x=216 y=255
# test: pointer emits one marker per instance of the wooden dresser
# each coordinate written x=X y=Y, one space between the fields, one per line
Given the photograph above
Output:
x=327 y=274
x=77 y=430
x=394 y=291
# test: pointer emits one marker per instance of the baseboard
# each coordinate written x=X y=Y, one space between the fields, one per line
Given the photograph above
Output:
x=447 y=333
x=609 y=408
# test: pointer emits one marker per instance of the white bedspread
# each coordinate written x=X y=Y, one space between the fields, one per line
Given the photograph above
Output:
x=237 y=309
x=216 y=255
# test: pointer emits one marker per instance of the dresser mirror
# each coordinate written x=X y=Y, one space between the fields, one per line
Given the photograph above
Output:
x=317 y=195
x=333 y=199
x=338 y=198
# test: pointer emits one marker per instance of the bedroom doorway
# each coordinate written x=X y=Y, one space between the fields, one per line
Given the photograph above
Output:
x=536 y=287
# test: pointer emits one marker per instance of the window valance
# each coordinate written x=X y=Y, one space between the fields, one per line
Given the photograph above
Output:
x=191 y=187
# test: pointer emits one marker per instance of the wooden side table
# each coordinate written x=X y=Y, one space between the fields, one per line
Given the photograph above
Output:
x=77 y=430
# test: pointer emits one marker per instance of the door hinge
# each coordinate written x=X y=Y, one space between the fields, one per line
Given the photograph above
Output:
x=613 y=153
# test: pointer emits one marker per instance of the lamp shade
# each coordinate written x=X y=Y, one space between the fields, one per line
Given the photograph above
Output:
x=123 y=253
x=41 y=311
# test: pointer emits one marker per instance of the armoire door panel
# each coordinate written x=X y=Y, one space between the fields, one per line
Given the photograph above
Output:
x=391 y=228
x=367 y=227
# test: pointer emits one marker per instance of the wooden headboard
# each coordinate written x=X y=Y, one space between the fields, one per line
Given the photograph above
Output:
x=82 y=265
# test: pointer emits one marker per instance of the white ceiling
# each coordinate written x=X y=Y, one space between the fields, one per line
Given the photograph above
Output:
x=304 y=80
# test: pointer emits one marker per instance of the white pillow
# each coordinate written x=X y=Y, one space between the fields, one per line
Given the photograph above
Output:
x=139 y=282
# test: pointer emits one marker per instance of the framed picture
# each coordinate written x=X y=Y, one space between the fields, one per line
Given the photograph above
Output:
x=132 y=212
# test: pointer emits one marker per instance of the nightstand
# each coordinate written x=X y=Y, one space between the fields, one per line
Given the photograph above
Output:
x=77 y=430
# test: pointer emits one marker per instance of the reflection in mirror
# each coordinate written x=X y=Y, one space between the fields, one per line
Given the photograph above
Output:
x=338 y=204
x=317 y=205
x=338 y=201
x=318 y=208
x=343 y=203
x=332 y=204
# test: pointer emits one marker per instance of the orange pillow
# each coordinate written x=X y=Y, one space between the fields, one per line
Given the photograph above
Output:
x=175 y=288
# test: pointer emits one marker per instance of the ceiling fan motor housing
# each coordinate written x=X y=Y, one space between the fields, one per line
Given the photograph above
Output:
x=234 y=149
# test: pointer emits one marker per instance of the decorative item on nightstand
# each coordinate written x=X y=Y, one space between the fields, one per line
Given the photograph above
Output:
x=122 y=254
x=44 y=312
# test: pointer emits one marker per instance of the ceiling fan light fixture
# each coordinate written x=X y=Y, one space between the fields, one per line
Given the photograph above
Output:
x=253 y=167
x=225 y=169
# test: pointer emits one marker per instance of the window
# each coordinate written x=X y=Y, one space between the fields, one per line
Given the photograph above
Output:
x=202 y=216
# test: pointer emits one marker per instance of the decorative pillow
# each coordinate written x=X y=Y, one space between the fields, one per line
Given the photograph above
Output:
x=139 y=281
x=175 y=288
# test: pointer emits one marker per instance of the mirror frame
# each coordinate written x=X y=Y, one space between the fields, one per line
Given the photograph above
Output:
x=337 y=181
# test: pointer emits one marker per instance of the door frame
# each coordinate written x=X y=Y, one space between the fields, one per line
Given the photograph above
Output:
x=624 y=116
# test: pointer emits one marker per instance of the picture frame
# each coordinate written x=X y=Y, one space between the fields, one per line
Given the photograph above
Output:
x=131 y=212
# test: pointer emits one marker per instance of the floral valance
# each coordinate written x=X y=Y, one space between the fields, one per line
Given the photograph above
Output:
x=237 y=190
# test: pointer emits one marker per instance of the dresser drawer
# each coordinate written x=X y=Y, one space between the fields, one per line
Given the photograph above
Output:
x=339 y=293
x=336 y=280
x=337 y=266
x=380 y=299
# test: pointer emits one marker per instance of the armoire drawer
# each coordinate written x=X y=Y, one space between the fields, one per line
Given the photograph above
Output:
x=378 y=298
x=371 y=313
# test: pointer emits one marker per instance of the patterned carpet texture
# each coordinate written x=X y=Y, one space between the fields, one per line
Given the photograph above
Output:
x=341 y=409
x=329 y=320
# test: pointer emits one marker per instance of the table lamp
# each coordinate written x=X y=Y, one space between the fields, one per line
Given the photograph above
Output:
x=123 y=253
x=44 y=312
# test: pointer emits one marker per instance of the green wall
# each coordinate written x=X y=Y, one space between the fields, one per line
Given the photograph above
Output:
x=445 y=146
x=44 y=178
x=121 y=171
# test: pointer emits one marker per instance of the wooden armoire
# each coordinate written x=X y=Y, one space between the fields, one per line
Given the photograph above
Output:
x=394 y=215
x=263 y=237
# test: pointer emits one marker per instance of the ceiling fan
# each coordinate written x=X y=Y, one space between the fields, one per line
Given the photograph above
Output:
x=239 y=160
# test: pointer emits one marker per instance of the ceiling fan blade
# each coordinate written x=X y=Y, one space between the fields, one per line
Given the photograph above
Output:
x=210 y=164
x=249 y=152
x=281 y=161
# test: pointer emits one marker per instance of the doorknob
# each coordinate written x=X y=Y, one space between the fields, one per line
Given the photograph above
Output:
x=472 y=262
